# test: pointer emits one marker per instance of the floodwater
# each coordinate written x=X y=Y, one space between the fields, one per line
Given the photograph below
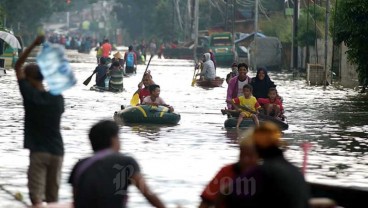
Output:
x=179 y=160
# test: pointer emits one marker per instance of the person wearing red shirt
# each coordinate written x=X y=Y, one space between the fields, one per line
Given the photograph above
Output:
x=272 y=105
x=106 y=48
x=146 y=82
x=247 y=159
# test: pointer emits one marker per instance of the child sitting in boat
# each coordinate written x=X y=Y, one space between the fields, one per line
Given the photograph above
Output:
x=247 y=105
x=272 y=105
x=155 y=99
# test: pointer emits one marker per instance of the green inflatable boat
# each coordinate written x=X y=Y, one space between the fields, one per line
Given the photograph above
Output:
x=147 y=114
x=248 y=122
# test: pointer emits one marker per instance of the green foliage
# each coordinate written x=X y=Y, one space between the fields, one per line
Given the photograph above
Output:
x=351 y=27
x=278 y=26
x=307 y=33
x=25 y=16
x=273 y=5
x=136 y=16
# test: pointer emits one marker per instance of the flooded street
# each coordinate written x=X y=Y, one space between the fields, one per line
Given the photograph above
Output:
x=179 y=160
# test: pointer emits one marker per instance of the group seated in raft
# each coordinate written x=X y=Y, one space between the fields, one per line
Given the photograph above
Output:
x=246 y=101
x=154 y=98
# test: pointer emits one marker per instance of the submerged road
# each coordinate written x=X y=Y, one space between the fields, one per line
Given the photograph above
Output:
x=179 y=160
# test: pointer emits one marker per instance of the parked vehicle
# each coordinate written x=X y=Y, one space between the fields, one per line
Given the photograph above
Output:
x=221 y=45
x=268 y=53
x=185 y=51
x=242 y=54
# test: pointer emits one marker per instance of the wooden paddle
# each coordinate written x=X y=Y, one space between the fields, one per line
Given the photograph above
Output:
x=135 y=99
x=194 y=75
x=86 y=82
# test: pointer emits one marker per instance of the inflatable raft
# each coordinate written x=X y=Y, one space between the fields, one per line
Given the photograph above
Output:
x=147 y=114
x=248 y=122
x=217 y=82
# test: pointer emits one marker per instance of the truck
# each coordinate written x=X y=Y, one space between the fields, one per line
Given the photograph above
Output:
x=265 y=52
x=221 y=45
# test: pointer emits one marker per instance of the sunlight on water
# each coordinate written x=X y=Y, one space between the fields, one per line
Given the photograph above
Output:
x=179 y=160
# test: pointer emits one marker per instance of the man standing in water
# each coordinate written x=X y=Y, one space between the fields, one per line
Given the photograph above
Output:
x=41 y=130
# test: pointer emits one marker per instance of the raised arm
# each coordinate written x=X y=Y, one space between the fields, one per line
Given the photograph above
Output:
x=19 y=64
x=140 y=183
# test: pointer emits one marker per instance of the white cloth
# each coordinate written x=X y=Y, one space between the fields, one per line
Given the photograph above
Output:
x=208 y=71
x=241 y=85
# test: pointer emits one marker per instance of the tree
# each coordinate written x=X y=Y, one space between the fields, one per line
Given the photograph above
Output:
x=25 y=16
x=350 y=25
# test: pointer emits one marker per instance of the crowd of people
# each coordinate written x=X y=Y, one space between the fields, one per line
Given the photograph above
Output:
x=73 y=41
x=262 y=177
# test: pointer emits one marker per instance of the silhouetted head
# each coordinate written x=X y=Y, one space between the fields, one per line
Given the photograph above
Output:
x=103 y=61
x=104 y=135
x=267 y=140
x=33 y=74
x=115 y=64
x=130 y=48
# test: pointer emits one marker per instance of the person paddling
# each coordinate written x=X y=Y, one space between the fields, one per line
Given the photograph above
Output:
x=146 y=82
x=101 y=72
x=208 y=71
x=155 y=99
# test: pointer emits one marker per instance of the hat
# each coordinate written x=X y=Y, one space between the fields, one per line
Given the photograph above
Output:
x=267 y=135
x=117 y=55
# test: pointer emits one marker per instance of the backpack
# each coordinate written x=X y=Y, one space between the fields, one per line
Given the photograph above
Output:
x=130 y=59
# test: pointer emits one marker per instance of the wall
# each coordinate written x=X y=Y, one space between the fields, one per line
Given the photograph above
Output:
x=349 y=76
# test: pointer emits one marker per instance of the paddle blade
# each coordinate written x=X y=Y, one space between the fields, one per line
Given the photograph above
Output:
x=86 y=82
x=193 y=82
x=135 y=99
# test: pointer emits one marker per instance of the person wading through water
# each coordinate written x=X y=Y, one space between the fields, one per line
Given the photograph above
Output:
x=41 y=130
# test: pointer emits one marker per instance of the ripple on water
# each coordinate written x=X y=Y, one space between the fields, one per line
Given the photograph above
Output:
x=179 y=160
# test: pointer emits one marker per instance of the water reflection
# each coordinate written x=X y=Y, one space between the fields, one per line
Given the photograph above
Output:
x=334 y=121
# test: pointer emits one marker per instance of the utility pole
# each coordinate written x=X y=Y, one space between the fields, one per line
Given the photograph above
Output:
x=226 y=14
x=196 y=22
x=326 y=40
x=233 y=31
x=255 y=34
x=295 y=34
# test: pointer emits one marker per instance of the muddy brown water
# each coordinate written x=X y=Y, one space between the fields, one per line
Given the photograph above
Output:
x=179 y=160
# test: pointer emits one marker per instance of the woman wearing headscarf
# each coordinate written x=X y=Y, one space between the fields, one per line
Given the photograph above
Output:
x=273 y=183
x=262 y=83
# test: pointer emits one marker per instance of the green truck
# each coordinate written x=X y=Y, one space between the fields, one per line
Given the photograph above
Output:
x=221 y=45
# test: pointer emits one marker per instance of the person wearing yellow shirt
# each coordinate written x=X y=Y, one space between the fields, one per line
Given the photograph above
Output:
x=246 y=101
